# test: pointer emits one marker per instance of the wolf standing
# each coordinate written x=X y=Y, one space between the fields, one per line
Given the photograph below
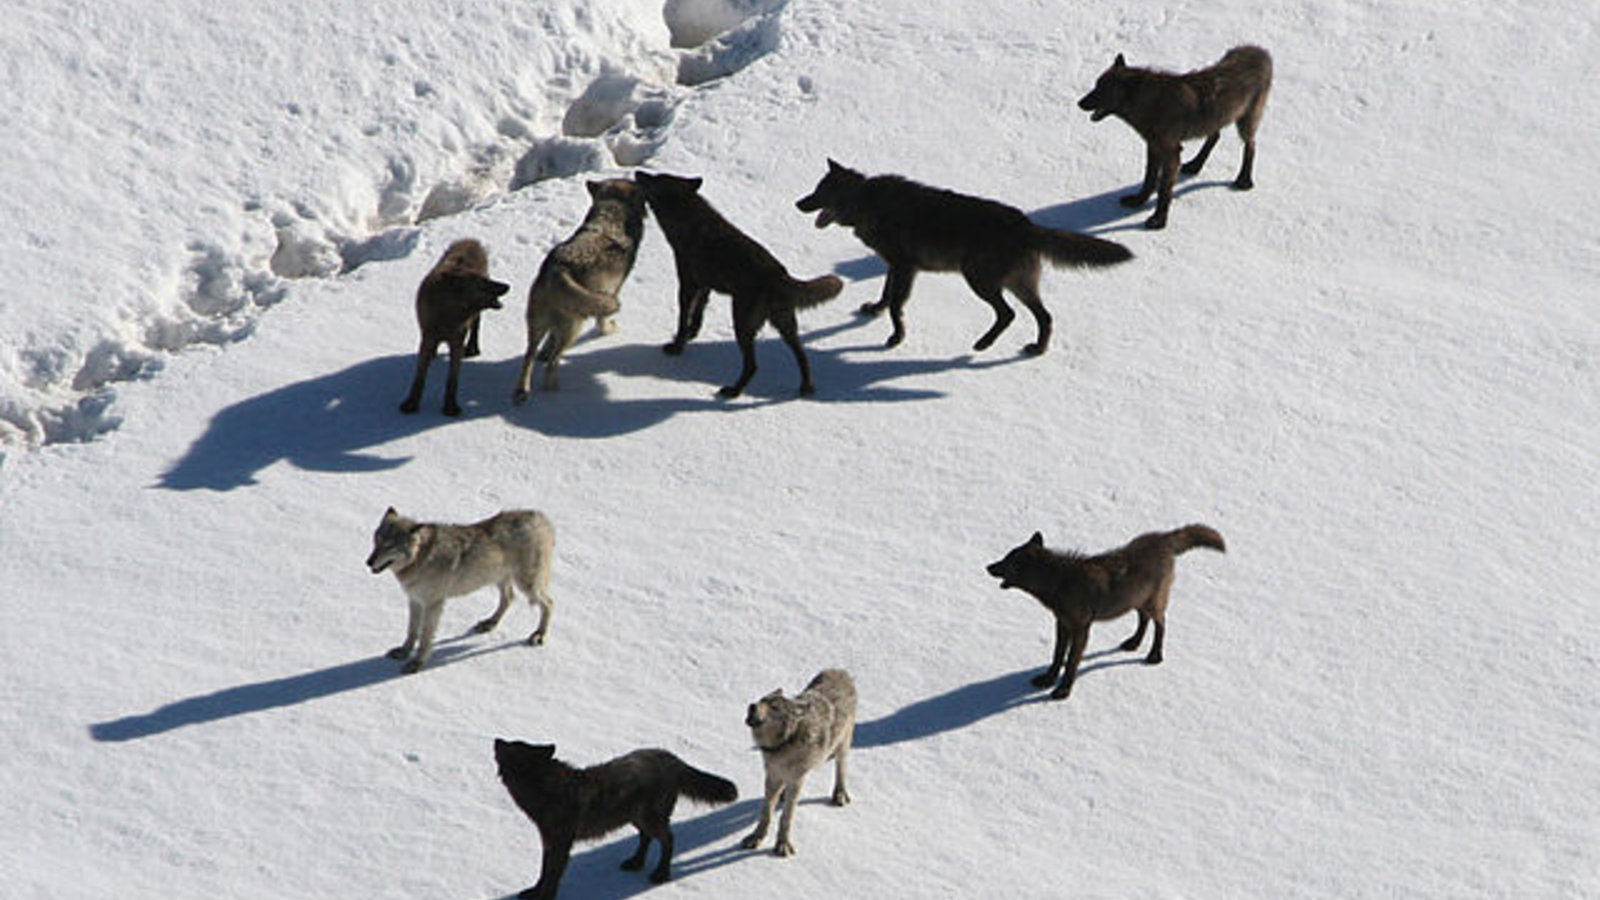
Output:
x=1167 y=109
x=434 y=562
x=580 y=278
x=451 y=297
x=1080 y=590
x=712 y=255
x=795 y=736
x=919 y=228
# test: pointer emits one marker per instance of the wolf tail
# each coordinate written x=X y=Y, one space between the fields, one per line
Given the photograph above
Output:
x=587 y=302
x=1069 y=248
x=706 y=787
x=1196 y=536
x=806 y=294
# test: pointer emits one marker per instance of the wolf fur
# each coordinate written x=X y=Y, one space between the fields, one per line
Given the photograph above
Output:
x=434 y=562
x=451 y=297
x=580 y=278
x=917 y=228
x=795 y=736
x=713 y=255
x=1167 y=109
x=1080 y=590
x=568 y=804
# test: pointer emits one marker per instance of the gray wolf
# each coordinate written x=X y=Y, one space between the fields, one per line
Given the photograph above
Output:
x=1167 y=109
x=568 y=804
x=580 y=278
x=1080 y=590
x=449 y=301
x=434 y=562
x=795 y=736
x=713 y=255
x=917 y=228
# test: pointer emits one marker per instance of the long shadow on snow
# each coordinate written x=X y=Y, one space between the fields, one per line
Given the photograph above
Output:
x=596 y=874
x=275 y=694
x=962 y=707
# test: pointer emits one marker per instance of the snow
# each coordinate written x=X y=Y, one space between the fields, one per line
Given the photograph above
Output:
x=1375 y=374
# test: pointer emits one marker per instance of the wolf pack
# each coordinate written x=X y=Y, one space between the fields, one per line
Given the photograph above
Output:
x=913 y=228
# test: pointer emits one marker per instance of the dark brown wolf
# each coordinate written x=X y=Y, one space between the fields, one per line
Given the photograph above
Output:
x=449 y=301
x=919 y=228
x=1081 y=590
x=1167 y=109
x=568 y=804
x=713 y=255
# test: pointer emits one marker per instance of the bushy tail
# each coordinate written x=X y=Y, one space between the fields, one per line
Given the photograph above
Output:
x=706 y=787
x=581 y=299
x=1196 y=536
x=1069 y=248
x=806 y=294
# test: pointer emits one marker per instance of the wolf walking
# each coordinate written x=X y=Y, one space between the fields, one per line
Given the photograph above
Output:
x=795 y=736
x=449 y=301
x=434 y=562
x=917 y=228
x=1080 y=590
x=580 y=278
x=1167 y=109
x=568 y=804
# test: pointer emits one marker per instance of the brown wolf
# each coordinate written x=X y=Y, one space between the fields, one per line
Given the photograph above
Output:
x=713 y=255
x=1081 y=590
x=919 y=228
x=568 y=804
x=449 y=300
x=1167 y=109
x=580 y=278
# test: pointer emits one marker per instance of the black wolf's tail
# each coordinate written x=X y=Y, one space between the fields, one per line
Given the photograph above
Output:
x=706 y=787
x=1196 y=536
x=806 y=294
x=1069 y=248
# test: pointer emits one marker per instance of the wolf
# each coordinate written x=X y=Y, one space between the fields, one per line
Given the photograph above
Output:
x=795 y=736
x=917 y=228
x=1080 y=590
x=1167 y=109
x=712 y=255
x=449 y=301
x=568 y=804
x=580 y=278
x=434 y=562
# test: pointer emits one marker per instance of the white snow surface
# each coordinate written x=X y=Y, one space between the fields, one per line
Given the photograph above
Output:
x=1377 y=374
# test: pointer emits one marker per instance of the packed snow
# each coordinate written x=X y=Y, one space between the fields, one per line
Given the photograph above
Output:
x=1377 y=375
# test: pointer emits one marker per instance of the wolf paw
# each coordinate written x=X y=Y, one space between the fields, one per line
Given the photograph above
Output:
x=411 y=668
x=1044 y=680
x=1133 y=201
x=484 y=627
x=783 y=848
x=751 y=842
x=674 y=348
x=841 y=797
x=536 y=639
x=730 y=391
x=519 y=396
x=408 y=407
x=399 y=653
x=1061 y=693
x=1155 y=223
x=1243 y=184
x=1035 y=349
x=870 y=309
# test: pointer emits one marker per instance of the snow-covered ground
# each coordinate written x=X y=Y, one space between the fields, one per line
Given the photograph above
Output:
x=1378 y=375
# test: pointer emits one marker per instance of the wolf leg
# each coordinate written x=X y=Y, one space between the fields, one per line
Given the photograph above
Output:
x=1132 y=643
x=774 y=790
x=536 y=334
x=1080 y=639
x=556 y=853
x=1063 y=639
x=561 y=337
x=1246 y=179
x=791 y=800
x=746 y=322
x=1167 y=175
x=662 y=832
x=789 y=330
x=984 y=282
x=451 y=407
x=425 y=357
x=542 y=599
x=1027 y=290
x=841 y=797
x=430 y=627
x=413 y=628
x=896 y=291
x=472 y=338
x=1142 y=195
x=636 y=861
x=1193 y=166
x=692 y=301
x=488 y=625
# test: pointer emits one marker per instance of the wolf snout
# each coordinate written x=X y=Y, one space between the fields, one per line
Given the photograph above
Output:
x=376 y=566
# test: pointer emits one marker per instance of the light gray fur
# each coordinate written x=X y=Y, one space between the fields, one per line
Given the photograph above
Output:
x=434 y=562
x=580 y=278
x=795 y=736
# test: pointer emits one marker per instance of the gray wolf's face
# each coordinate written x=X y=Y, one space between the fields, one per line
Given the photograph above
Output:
x=395 y=542
x=767 y=718
x=1010 y=568
x=1106 y=98
x=830 y=199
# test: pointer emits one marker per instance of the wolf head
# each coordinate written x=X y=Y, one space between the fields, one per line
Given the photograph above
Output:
x=657 y=187
x=834 y=197
x=395 y=542
x=1015 y=568
x=770 y=719
x=533 y=777
x=1109 y=91
x=517 y=756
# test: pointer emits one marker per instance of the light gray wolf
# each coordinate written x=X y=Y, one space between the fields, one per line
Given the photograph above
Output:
x=917 y=228
x=1167 y=109
x=568 y=804
x=795 y=736
x=451 y=297
x=713 y=255
x=434 y=562
x=1080 y=590
x=580 y=278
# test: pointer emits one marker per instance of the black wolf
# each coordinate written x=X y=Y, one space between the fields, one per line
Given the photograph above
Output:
x=568 y=804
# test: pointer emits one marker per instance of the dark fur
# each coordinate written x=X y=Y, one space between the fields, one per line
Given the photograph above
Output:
x=919 y=228
x=1081 y=590
x=712 y=255
x=449 y=301
x=568 y=804
x=1167 y=109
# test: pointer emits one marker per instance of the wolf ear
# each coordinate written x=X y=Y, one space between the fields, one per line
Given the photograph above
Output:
x=1120 y=63
x=834 y=166
x=1037 y=540
x=390 y=514
x=693 y=184
x=594 y=188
